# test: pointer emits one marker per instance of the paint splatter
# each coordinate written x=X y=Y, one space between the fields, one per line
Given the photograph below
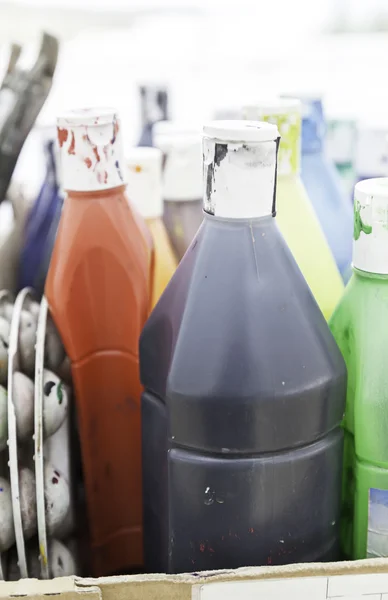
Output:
x=71 y=149
x=63 y=134
x=88 y=162
x=57 y=474
x=115 y=131
x=48 y=386
x=251 y=530
x=54 y=480
x=43 y=554
x=202 y=547
x=118 y=169
x=60 y=392
x=220 y=151
x=138 y=169
x=359 y=225
x=96 y=154
x=105 y=176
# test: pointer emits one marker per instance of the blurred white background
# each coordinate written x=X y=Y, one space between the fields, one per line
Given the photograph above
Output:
x=209 y=52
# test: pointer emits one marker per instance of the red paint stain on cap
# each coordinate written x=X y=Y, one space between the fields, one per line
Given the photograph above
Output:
x=202 y=547
x=105 y=177
x=96 y=154
x=71 y=149
x=63 y=134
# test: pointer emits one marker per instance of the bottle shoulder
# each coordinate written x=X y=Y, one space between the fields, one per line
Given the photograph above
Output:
x=361 y=317
x=240 y=300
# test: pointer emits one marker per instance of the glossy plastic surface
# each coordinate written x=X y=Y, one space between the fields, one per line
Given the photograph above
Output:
x=98 y=293
x=41 y=228
x=164 y=261
x=324 y=188
x=360 y=327
x=303 y=234
x=332 y=207
x=245 y=391
x=182 y=220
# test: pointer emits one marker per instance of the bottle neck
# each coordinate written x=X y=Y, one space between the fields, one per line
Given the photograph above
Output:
x=381 y=277
x=240 y=178
x=313 y=127
x=97 y=194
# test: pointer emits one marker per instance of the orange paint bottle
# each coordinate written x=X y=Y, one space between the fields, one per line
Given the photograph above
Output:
x=98 y=290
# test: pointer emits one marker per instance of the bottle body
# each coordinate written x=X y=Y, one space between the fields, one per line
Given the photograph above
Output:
x=182 y=220
x=303 y=234
x=332 y=208
x=164 y=261
x=360 y=327
x=244 y=393
x=98 y=293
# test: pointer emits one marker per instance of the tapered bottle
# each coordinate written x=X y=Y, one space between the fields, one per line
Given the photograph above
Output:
x=41 y=226
x=98 y=289
x=296 y=217
x=360 y=326
x=323 y=186
x=182 y=181
x=244 y=384
x=145 y=194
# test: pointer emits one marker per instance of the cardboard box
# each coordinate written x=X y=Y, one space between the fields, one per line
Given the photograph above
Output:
x=340 y=581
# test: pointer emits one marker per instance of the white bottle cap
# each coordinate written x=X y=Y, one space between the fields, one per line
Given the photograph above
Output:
x=371 y=150
x=240 y=168
x=145 y=181
x=91 y=150
x=370 y=243
x=182 y=149
x=285 y=113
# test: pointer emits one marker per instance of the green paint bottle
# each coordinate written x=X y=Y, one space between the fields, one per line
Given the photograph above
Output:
x=360 y=326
